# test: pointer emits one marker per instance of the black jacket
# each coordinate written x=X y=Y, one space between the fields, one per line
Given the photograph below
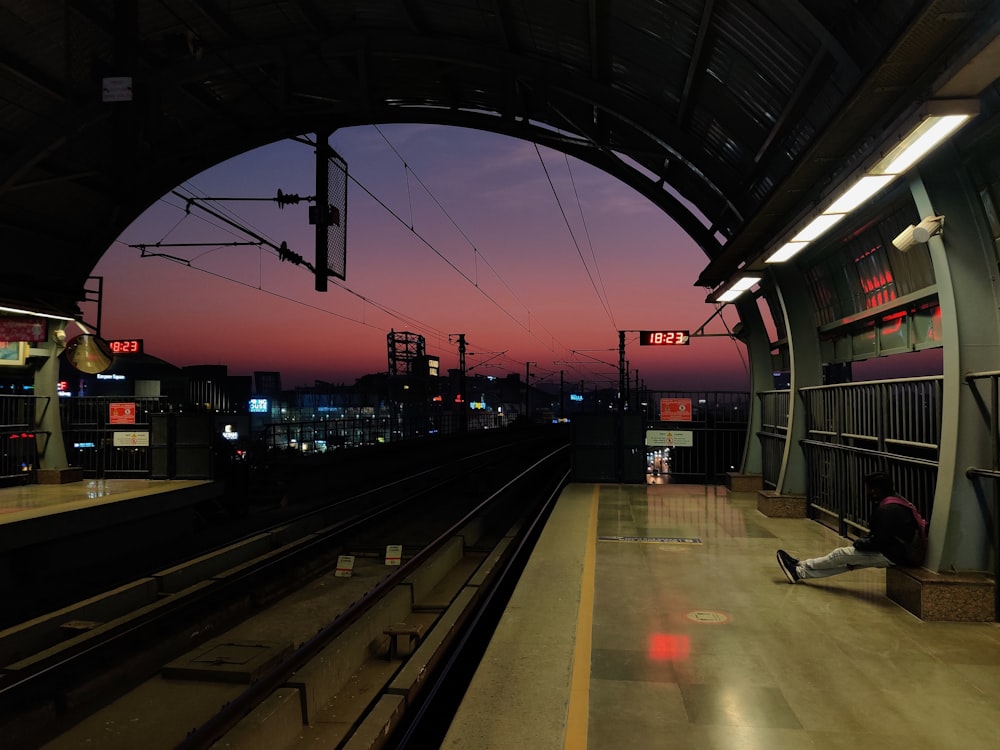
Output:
x=895 y=533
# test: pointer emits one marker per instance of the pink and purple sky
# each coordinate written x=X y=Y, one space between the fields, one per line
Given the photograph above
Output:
x=546 y=281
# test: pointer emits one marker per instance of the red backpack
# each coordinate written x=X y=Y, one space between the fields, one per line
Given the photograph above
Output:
x=916 y=548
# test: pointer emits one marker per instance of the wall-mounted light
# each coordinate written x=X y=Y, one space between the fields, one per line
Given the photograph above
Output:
x=934 y=122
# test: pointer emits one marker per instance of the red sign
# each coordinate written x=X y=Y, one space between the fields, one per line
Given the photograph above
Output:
x=121 y=413
x=675 y=410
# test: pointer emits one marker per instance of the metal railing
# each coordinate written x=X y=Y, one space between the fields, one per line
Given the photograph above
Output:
x=857 y=428
x=774 y=408
x=989 y=408
x=18 y=444
x=90 y=440
x=321 y=435
x=718 y=427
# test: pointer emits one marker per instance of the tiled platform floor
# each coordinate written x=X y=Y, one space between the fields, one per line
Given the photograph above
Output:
x=656 y=616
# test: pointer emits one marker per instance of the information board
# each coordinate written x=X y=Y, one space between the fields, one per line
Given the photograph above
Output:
x=121 y=413
x=675 y=410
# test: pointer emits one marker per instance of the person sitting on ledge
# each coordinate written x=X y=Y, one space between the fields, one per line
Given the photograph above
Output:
x=898 y=537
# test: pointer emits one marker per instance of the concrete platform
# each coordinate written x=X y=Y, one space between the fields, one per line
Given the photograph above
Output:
x=657 y=616
x=34 y=513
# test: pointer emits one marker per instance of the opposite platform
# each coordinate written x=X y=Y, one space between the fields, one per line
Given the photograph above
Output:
x=36 y=513
x=656 y=616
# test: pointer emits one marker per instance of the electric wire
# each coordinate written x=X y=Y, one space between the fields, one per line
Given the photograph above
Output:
x=395 y=314
x=586 y=231
x=579 y=252
x=477 y=253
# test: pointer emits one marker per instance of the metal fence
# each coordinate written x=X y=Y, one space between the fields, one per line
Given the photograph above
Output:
x=773 y=433
x=718 y=426
x=18 y=450
x=345 y=432
x=91 y=441
x=989 y=408
x=857 y=428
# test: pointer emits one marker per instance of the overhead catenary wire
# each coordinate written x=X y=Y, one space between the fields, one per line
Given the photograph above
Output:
x=226 y=220
x=477 y=252
x=579 y=252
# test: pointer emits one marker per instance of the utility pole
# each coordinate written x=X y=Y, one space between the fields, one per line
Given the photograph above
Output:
x=527 y=388
x=463 y=416
x=562 y=395
x=622 y=382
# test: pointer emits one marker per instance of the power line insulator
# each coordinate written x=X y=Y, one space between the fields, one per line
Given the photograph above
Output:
x=286 y=199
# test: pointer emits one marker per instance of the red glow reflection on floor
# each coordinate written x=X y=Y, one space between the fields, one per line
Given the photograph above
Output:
x=668 y=647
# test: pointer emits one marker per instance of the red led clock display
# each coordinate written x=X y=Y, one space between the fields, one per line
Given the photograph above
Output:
x=125 y=346
x=664 y=338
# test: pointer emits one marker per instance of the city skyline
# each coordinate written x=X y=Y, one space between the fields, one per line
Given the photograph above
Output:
x=533 y=256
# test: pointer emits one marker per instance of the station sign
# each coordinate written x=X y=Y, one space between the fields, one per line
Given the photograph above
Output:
x=669 y=438
x=121 y=413
x=124 y=439
x=675 y=410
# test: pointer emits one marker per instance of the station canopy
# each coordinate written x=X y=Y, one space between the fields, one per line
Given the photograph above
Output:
x=729 y=114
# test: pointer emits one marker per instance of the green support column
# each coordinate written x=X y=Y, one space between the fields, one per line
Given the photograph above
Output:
x=966 y=275
x=51 y=448
x=806 y=364
x=754 y=335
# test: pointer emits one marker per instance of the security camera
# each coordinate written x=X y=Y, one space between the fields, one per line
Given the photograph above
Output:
x=914 y=235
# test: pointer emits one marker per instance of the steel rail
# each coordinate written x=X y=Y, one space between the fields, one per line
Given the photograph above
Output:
x=133 y=636
x=216 y=727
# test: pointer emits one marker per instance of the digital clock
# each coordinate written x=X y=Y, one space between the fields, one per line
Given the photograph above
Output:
x=664 y=338
x=125 y=346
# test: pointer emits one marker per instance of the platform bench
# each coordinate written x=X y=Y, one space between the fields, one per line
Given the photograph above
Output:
x=775 y=505
x=943 y=597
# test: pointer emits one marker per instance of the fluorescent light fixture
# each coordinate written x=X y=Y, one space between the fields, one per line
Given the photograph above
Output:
x=785 y=252
x=935 y=121
x=925 y=136
x=858 y=193
x=745 y=282
x=816 y=227
x=737 y=288
x=34 y=313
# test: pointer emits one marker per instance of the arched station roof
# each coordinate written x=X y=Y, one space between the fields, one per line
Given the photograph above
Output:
x=728 y=114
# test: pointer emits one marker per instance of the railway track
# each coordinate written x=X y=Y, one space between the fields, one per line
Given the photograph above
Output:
x=231 y=644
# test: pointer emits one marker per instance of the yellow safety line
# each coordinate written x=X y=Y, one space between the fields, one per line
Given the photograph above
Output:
x=578 y=716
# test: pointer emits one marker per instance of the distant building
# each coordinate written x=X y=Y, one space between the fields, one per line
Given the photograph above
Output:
x=267 y=384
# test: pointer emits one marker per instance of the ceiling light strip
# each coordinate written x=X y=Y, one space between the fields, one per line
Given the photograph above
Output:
x=930 y=131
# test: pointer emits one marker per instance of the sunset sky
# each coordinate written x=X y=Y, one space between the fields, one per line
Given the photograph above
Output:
x=547 y=276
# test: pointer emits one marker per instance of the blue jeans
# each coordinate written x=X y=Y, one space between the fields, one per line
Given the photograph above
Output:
x=840 y=561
